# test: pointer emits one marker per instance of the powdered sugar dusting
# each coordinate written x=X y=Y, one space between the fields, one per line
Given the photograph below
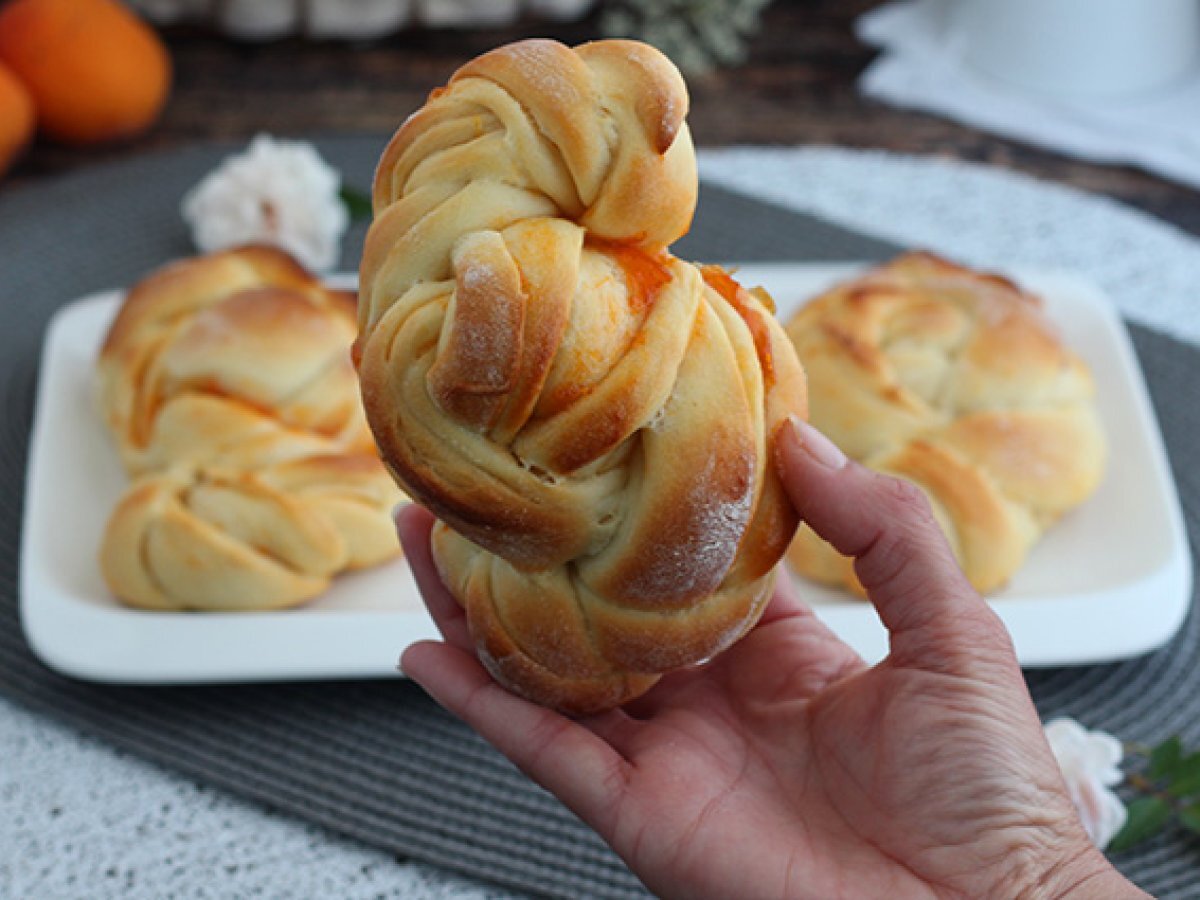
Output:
x=694 y=562
x=483 y=336
x=546 y=77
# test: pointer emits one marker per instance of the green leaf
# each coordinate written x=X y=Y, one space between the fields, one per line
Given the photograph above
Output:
x=358 y=204
x=1187 y=768
x=1165 y=757
x=1186 y=783
x=1189 y=818
x=1147 y=816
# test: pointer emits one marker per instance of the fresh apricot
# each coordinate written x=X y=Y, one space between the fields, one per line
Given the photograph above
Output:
x=96 y=72
x=16 y=118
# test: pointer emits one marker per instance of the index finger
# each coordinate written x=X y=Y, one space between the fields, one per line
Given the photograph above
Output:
x=414 y=524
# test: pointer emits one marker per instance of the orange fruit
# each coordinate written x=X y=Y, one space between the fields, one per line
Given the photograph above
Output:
x=95 y=71
x=16 y=118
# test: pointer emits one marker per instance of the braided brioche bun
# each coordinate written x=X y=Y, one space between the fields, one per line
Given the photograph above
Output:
x=227 y=384
x=226 y=538
x=243 y=328
x=588 y=416
x=956 y=381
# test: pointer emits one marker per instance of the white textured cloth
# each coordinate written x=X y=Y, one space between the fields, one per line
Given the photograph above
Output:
x=921 y=68
x=83 y=820
x=983 y=216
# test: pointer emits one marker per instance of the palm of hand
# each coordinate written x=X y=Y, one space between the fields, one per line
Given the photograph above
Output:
x=816 y=779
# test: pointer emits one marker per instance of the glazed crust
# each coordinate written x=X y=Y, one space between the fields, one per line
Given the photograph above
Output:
x=587 y=415
x=956 y=381
x=227 y=384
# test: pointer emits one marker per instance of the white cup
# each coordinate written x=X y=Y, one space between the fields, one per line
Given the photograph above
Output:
x=1080 y=48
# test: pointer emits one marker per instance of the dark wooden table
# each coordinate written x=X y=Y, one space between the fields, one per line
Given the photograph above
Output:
x=798 y=87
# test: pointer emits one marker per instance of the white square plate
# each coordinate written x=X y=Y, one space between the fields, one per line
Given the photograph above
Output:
x=1112 y=580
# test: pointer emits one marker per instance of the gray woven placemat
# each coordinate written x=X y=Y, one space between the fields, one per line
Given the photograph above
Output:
x=377 y=760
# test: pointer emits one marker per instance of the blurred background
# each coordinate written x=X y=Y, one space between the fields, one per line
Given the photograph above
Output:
x=779 y=73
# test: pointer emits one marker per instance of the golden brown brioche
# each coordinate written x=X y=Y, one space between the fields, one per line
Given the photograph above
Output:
x=245 y=328
x=956 y=381
x=227 y=383
x=231 y=539
x=587 y=415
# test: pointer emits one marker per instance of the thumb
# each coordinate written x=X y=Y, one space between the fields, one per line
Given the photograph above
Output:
x=934 y=618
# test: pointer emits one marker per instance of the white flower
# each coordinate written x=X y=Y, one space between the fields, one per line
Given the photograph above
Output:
x=277 y=192
x=1090 y=763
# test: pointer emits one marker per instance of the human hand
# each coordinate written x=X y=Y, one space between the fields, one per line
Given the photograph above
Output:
x=787 y=767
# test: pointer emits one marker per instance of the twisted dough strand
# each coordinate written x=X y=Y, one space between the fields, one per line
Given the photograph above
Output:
x=587 y=414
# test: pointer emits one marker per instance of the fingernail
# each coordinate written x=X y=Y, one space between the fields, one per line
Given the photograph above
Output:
x=399 y=508
x=819 y=448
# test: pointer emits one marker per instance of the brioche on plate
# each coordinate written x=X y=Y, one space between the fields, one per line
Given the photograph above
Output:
x=588 y=416
x=248 y=539
x=956 y=381
x=227 y=385
x=246 y=329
